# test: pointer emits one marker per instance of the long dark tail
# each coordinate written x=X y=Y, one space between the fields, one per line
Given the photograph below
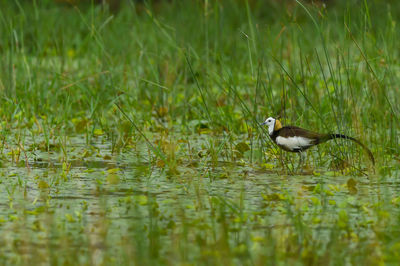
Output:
x=340 y=136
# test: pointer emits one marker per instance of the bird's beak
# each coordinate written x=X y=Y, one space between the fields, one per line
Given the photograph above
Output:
x=263 y=123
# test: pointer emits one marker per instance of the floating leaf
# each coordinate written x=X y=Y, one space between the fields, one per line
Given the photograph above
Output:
x=113 y=179
x=315 y=200
x=242 y=147
x=273 y=197
x=351 y=186
x=86 y=154
x=142 y=199
x=267 y=166
x=70 y=218
x=80 y=124
x=43 y=184
x=98 y=132
x=113 y=170
x=316 y=173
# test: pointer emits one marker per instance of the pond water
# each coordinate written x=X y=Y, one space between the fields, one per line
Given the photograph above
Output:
x=98 y=208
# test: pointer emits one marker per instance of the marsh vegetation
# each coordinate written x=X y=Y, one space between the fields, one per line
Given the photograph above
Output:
x=133 y=137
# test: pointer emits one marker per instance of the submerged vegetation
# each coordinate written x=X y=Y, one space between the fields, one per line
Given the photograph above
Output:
x=132 y=136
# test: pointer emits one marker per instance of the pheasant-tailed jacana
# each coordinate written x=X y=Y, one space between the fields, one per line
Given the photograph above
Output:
x=295 y=139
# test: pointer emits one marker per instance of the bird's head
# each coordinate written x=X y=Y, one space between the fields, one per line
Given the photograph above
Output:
x=273 y=124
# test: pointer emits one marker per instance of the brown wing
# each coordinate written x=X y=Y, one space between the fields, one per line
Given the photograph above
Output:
x=291 y=131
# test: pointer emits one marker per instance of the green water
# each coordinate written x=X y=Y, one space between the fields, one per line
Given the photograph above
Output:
x=122 y=209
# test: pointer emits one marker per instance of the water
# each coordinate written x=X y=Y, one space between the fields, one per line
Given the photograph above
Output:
x=90 y=206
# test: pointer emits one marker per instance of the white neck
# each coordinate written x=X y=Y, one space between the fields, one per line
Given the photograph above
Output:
x=271 y=128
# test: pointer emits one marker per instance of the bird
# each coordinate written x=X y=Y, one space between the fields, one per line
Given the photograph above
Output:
x=296 y=139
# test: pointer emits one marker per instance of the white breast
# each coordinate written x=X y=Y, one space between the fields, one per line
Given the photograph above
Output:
x=293 y=143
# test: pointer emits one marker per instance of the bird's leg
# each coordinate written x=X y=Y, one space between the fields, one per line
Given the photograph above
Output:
x=301 y=159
